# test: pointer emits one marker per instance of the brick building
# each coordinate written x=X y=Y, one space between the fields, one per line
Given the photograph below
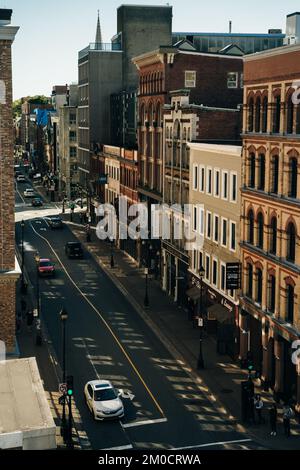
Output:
x=8 y=266
x=270 y=315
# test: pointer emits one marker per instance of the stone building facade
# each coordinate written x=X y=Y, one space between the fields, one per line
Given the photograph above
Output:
x=270 y=250
x=8 y=266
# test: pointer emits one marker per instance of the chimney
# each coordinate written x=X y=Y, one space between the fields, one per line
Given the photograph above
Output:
x=5 y=16
x=230 y=27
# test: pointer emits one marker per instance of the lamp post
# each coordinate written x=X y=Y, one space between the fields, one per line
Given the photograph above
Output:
x=200 y=363
x=146 y=299
x=112 y=261
x=64 y=318
x=22 y=235
x=38 y=301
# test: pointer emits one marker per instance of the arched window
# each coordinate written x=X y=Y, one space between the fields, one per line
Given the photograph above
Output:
x=262 y=172
x=276 y=115
x=257 y=114
x=259 y=285
x=251 y=115
x=274 y=174
x=252 y=170
x=290 y=303
x=250 y=280
x=260 y=231
x=251 y=227
x=158 y=115
x=265 y=114
x=272 y=294
x=273 y=236
x=291 y=242
x=290 y=115
x=293 y=177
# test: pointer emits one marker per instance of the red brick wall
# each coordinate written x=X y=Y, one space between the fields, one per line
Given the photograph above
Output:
x=274 y=68
x=7 y=313
x=220 y=125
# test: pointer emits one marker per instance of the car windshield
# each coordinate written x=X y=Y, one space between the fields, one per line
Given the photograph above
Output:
x=45 y=264
x=105 y=394
x=75 y=246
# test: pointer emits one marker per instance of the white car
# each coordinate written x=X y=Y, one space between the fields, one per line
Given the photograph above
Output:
x=29 y=192
x=103 y=400
x=21 y=179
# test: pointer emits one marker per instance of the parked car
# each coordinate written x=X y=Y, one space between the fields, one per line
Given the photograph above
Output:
x=55 y=221
x=74 y=250
x=78 y=202
x=37 y=202
x=103 y=400
x=21 y=179
x=29 y=192
x=46 y=267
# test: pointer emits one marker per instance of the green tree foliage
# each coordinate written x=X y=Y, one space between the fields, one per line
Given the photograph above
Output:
x=38 y=99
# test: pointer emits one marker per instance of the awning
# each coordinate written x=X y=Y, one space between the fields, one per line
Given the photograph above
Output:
x=219 y=312
x=193 y=293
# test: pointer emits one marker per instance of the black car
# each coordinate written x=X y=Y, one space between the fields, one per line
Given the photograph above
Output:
x=74 y=250
x=55 y=222
x=37 y=202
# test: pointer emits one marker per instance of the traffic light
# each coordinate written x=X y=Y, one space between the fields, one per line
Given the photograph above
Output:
x=70 y=382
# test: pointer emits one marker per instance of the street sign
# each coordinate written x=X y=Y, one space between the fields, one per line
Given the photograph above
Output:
x=233 y=276
x=103 y=179
x=63 y=388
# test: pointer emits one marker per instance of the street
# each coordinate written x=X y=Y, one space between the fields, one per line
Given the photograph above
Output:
x=107 y=339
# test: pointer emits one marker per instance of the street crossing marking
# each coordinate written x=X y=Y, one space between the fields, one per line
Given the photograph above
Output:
x=212 y=444
x=129 y=446
x=144 y=423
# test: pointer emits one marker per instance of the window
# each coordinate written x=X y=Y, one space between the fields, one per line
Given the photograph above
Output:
x=251 y=227
x=73 y=152
x=217 y=183
x=202 y=179
x=232 y=236
x=224 y=232
x=207 y=268
x=190 y=79
x=290 y=304
x=293 y=183
x=265 y=114
x=223 y=277
x=216 y=229
x=262 y=172
x=273 y=236
x=233 y=187
x=201 y=221
x=200 y=259
x=252 y=170
x=274 y=174
x=260 y=231
x=195 y=218
x=224 y=184
x=251 y=115
x=257 y=114
x=194 y=260
x=72 y=136
x=72 y=119
x=250 y=281
x=215 y=272
x=291 y=242
x=195 y=177
x=208 y=224
x=259 y=280
x=272 y=294
x=290 y=115
x=242 y=80
x=209 y=181
x=232 y=80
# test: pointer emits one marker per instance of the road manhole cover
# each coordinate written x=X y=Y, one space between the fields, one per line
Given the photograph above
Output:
x=226 y=390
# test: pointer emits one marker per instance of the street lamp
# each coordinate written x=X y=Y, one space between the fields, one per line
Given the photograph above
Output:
x=38 y=301
x=112 y=261
x=200 y=363
x=146 y=299
x=64 y=318
x=22 y=235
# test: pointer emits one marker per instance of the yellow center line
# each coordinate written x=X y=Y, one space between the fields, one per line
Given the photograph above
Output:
x=105 y=323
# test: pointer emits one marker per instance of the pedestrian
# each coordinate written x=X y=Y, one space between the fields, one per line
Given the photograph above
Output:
x=288 y=414
x=30 y=317
x=259 y=404
x=273 y=419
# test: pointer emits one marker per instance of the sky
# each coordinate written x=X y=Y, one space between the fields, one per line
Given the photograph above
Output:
x=53 y=31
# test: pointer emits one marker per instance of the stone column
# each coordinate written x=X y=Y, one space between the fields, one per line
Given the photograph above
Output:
x=279 y=367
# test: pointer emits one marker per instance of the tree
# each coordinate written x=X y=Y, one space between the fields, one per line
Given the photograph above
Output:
x=37 y=99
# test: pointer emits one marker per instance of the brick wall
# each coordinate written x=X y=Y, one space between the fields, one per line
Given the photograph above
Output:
x=7 y=312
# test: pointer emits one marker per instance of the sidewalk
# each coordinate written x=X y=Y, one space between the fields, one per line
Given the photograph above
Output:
x=222 y=377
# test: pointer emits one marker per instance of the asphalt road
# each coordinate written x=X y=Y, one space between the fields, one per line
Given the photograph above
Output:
x=107 y=339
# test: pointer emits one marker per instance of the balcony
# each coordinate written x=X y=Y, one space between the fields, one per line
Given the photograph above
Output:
x=99 y=47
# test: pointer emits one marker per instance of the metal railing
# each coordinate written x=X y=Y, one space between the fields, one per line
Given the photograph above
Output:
x=99 y=46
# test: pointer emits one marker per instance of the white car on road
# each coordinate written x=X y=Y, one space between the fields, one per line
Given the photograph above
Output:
x=21 y=179
x=29 y=192
x=103 y=400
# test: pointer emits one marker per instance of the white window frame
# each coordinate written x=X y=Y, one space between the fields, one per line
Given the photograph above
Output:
x=222 y=232
x=232 y=175
x=207 y=277
x=217 y=171
x=208 y=213
x=202 y=179
x=215 y=260
x=216 y=216
x=195 y=177
x=232 y=222
x=222 y=265
x=225 y=197
x=190 y=82
x=230 y=83
x=209 y=171
x=201 y=221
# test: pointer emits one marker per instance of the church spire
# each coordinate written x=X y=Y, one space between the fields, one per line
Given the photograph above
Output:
x=98 y=33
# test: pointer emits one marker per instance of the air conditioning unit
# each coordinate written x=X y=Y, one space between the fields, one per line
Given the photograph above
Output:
x=292 y=40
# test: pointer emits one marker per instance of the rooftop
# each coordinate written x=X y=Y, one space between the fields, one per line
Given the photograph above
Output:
x=100 y=47
x=232 y=35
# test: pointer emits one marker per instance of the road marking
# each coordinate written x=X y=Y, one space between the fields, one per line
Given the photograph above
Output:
x=21 y=197
x=144 y=423
x=129 y=446
x=105 y=323
x=213 y=444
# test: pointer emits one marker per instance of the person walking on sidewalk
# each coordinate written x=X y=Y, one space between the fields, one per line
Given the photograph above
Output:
x=288 y=414
x=273 y=419
x=259 y=404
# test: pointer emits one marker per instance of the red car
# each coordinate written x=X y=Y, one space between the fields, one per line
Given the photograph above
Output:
x=46 y=268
